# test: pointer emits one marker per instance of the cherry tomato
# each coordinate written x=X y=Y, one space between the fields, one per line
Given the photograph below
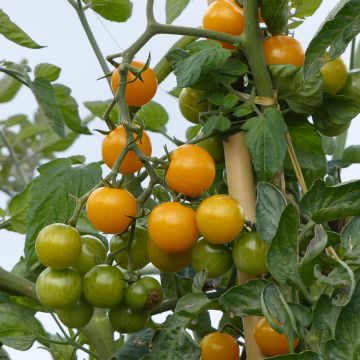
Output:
x=270 y=342
x=93 y=253
x=114 y=143
x=191 y=170
x=283 y=49
x=191 y=103
x=139 y=92
x=166 y=261
x=216 y=259
x=214 y=146
x=172 y=227
x=77 y=315
x=138 y=249
x=220 y=219
x=104 y=286
x=125 y=320
x=225 y=16
x=352 y=86
x=111 y=210
x=59 y=289
x=334 y=74
x=217 y=345
x=58 y=246
x=144 y=294
x=249 y=254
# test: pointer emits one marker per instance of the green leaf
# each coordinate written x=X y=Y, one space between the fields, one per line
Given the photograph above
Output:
x=113 y=10
x=199 y=281
x=357 y=58
x=18 y=210
x=45 y=96
x=302 y=96
x=230 y=101
x=326 y=203
x=350 y=240
x=174 y=8
x=270 y=203
x=243 y=110
x=3 y=354
x=47 y=71
x=192 y=304
x=57 y=181
x=305 y=8
x=302 y=315
x=12 y=32
x=351 y=156
x=14 y=120
x=197 y=66
x=340 y=27
x=328 y=144
x=2 y=213
x=154 y=116
x=244 y=299
x=216 y=123
x=98 y=108
x=265 y=138
x=306 y=355
x=9 y=87
x=275 y=14
x=316 y=246
x=18 y=326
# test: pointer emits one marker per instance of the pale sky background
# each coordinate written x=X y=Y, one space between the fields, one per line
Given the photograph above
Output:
x=55 y=24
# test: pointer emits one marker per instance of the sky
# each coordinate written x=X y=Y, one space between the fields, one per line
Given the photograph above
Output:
x=55 y=24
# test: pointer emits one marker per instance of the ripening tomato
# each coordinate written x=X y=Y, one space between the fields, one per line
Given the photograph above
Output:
x=334 y=74
x=192 y=102
x=111 y=210
x=220 y=219
x=352 y=86
x=114 y=143
x=191 y=170
x=125 y=320
x=77 y=315
x=283 y=49
x=58 y=246
x=270 y=342
x=225 y=16
x=139 y=92
x=218 y=345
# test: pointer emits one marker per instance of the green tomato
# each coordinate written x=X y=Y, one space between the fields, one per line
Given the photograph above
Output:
x=58 y=246
x=334 y=74
x=93 y=253
x=352 y=86
x=216 y=259
x=144 y=294
x=138 y=248
x=77 y=315
x=104 y=286
x=125 y=320
x=214 y=146
x=59 y=289
x=249 y=254
x=192 y=103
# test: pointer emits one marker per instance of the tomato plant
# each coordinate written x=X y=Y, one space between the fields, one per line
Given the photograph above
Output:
x=352 y=85
x=192 y=103
x=125 y=320
x=219 y=345
x=334 y=74
x=214 y=146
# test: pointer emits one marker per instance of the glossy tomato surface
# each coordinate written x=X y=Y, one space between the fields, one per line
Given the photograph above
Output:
x=191 y=103
x=77 y=315
x=334 y=74
x=217 y=345
x=125 y=320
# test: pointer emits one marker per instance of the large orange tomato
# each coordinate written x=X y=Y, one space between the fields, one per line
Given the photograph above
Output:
x=111 y=210
x=283 y=49
x=115 y=142
x=139 y=92
x=191 y=170
x=172 y=227
x=217 y=345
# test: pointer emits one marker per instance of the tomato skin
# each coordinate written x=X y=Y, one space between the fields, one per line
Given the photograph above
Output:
x=104 y=286
x=59 y=289
x=217 y=345
x=77 y=315
x=192 y=103
x=125 y=320
x=58 y=246
x=93 y=252
x=166 y=261
x=249 y=254
x=216 y=259
x=214 y=146
x=283 y=49
x=138 y=248
x=110 y=209
x=352 y=86
x=270 y=342
x=191 y=170
x=334 y=74
x=220 y=219
x=172 y=227
x=114 y=143
x=139 y=92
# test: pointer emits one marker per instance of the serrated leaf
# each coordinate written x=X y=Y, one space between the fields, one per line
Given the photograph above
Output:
x=47 y=71
x=18 y=210
x=113 y=10
x=230 y=101
x=351 y=155
x=153 y=116
x=192 y=304
x=174 y=8
x=243 y=110
x=316 y=245
x=98 y=108
x=350 y=240
x=216 y=123
x=305 y=8
x=275 y=14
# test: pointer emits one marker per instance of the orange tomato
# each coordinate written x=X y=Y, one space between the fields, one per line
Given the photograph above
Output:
x=217 y=345
x=111 y=210
x=172 y=227
x=139 y=92
x=114 y=143
x=191 y=170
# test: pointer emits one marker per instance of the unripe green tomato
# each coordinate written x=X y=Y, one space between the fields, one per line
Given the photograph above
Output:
x=352 y=86
x=93 y=253
x=191 y=103
x=125 y=320
x=334 y=74
x=249 y=254
x=104 y=286
x=58 y=246
x=214 y=146
x=59 y=289
x=216 y=259
x=77 y=315
x=138 y=248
